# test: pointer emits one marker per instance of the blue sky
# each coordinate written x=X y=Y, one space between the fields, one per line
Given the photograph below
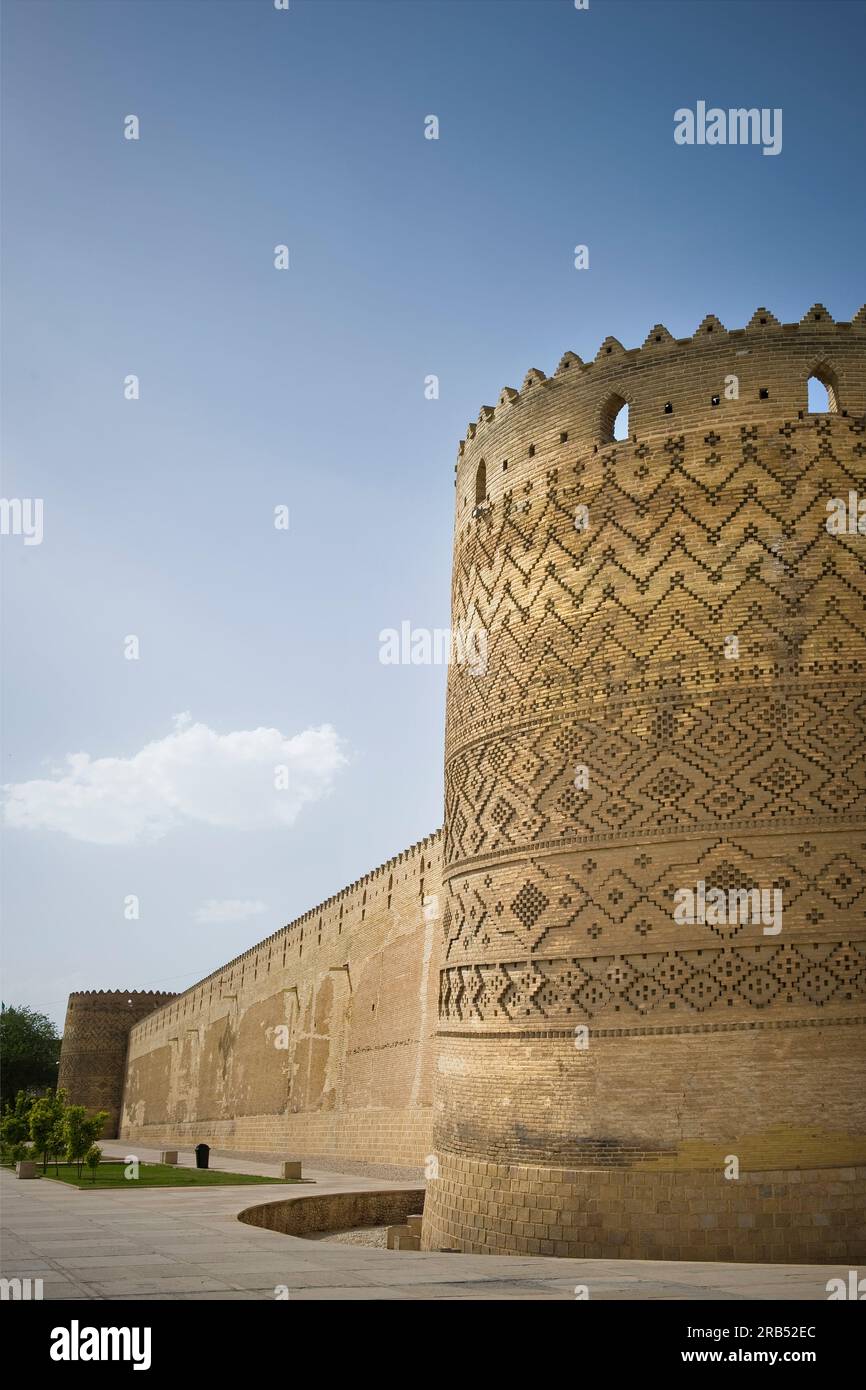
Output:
x=305 y=387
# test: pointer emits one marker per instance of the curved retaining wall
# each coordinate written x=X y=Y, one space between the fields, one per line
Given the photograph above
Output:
x=337 y=1211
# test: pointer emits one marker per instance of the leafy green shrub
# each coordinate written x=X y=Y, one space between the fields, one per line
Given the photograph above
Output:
x=15 y=1125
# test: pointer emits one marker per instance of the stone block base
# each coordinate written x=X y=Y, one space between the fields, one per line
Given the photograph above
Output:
x=778 y=1216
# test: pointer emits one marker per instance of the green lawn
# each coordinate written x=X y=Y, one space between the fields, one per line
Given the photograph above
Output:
x=111 y=1175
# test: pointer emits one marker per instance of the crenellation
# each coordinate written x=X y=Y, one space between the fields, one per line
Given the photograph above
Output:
x=611 y=347
x=667 y=363
x=567 y=362
x=762 y=318
x=710 y=325
x=817 y=314
x=657 y=337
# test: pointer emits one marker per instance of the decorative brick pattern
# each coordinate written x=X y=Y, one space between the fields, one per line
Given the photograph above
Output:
x=684 y=983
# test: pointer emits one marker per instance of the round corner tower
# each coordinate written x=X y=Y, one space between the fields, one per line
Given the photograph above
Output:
x=93 y=1051
x=652 y=1017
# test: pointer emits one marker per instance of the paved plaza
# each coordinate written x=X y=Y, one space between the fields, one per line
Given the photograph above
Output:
x=187 y=1243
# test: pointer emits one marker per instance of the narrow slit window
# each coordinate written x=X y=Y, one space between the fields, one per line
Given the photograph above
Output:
x=480 y=483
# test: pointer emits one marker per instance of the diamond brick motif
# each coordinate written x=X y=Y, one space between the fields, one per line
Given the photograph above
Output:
x=529 y=904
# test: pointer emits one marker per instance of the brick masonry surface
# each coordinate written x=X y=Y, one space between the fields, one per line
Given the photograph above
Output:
x=319 y=1040
x=785 y=1216
x=95 y=1038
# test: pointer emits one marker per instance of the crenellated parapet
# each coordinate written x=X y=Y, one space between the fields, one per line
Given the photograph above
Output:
x=115 y=997
x=750 y=374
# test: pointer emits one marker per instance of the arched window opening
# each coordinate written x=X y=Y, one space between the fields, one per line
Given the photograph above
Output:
x=821 y=390
x=614 y=420
x=480 y=483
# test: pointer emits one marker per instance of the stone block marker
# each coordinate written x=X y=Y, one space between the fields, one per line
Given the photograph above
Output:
x=25 y=1168
x=402 y=1238
x=291 y=1168
x=168 y=1156
x=414 y=1224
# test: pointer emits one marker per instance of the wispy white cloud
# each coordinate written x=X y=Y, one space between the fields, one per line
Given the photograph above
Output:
x=254 y=779
x=229 y=910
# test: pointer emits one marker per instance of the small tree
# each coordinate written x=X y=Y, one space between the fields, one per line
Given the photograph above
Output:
x=96 y=1125
x=93 y=1158
x=42 y=1126
x=58 y=1130
x=76 y=1137
x=58 y=1139
x=80 y=1132
x=46 y=1126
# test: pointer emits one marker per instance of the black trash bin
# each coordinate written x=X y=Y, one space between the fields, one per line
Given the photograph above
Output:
x=202 y=1154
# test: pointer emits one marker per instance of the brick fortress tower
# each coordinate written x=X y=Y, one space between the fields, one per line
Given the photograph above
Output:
x=674 y=697
x=93 y=1055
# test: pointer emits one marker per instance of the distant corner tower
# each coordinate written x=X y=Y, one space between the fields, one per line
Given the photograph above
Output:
x=93 y=1055
x=672 y=712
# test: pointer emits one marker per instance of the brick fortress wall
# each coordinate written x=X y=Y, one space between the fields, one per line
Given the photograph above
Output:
x=319 y=1040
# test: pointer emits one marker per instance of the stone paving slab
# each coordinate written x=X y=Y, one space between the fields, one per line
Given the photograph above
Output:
x=188 y=1244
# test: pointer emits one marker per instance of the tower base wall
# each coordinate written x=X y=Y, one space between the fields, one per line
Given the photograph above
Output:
x=786 y=1215
x=719 y=1141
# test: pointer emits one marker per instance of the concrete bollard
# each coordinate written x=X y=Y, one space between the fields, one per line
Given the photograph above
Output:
x=168 y=1156
x=291 y=1168
x=414 y=1224
x=25 y=1168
